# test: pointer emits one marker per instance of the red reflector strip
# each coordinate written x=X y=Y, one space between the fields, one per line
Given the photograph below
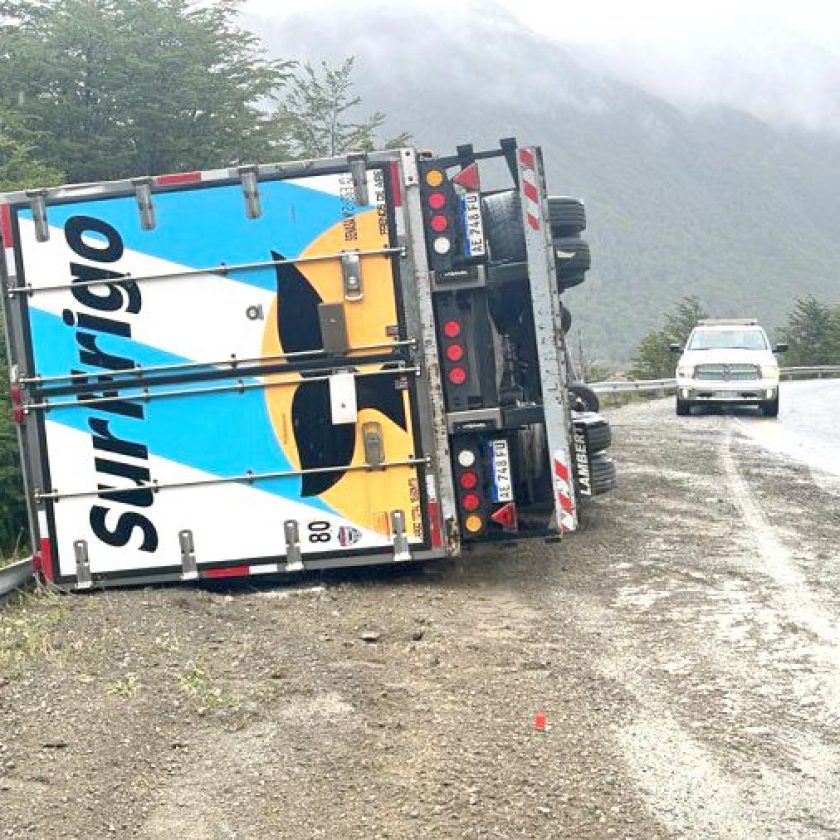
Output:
x=396 y=187
x=228 y=572
x=527 y=158
x=46 y=559
x=433 y=512
x=6 y=225
x=177 y=178
x=530 y=191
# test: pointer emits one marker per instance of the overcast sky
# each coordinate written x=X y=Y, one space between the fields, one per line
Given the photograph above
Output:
x=777 y=59
x=611 y=21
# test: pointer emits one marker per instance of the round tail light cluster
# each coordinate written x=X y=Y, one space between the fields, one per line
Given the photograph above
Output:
x=470 y=484
x=437 y=209
x=454 y=352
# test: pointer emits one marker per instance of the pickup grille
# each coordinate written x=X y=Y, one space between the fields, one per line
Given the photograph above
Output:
x=728 y=373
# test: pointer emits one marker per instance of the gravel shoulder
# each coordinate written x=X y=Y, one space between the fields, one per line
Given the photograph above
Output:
x=683 y=646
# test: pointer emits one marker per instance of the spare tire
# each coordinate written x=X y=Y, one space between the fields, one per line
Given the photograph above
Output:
x=502 y=215
x=570 y=281
x=598 y=436
x=602 y=472
x=583 y=396
x=571 y=256
x=566 y=215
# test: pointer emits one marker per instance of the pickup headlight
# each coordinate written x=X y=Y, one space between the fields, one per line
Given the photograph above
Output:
x=769 y=371
x=685 y=371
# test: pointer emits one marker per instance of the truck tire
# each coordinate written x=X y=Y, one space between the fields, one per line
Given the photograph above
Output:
x=502 y=214
x=683 y=407
x=565 y=318
x=585 y=396
x=564 y=283
x=602 y=472
x=571 y=256
x=599 y=436
x=566 y=215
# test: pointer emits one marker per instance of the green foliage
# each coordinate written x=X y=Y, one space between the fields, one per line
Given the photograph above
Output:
x=313 y=118
x=654 y=358
x=18 y=168
x=812 y=333
x=13 y=520
x=137 y=87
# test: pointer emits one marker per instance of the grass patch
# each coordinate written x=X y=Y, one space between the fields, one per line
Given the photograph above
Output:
x=197 y=683
x=126 y=688
x=27 y=625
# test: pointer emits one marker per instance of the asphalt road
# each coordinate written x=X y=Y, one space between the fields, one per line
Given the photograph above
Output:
x=807 y=428
x=683 y=647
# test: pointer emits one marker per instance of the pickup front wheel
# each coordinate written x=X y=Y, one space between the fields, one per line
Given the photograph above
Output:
x=770 y=408
x=683 y=407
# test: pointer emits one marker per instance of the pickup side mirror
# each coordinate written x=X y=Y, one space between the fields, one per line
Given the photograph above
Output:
x=676 y=348
x=781 y=347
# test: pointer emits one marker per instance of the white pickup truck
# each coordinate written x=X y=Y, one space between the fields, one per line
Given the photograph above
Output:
x=728 y=362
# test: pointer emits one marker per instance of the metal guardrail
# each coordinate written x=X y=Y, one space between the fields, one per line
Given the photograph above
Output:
x=15 y=575
x=635 y=386
x=816 y=372
x=667 y=386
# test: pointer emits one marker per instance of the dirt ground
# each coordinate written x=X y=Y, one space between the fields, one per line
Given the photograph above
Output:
x=683 y=647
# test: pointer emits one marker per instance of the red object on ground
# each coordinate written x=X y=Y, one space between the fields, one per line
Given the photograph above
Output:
x=539 y=721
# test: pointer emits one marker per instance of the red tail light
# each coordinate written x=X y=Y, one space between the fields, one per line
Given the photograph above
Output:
x=468 y=480
x=439 y=223
x=437 y=201
x=471 y=502
x=451 y=329
x=455 y=352
x=457 y=376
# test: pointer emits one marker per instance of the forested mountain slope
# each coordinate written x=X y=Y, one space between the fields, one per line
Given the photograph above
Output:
x=715 y=203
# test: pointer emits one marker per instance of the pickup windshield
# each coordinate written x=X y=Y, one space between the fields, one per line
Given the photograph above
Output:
x=727 y=340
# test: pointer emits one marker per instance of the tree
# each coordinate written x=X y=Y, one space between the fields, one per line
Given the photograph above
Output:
x=18 y=168
x=812 y=333
x=13 y=522
x=313 y=117
x=654 y=359
x=137 y=87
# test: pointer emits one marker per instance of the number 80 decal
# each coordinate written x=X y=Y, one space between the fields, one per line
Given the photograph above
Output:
x=319 y=531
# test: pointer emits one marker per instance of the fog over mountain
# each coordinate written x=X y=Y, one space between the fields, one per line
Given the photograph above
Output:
x=731 y=197
x=749 y=63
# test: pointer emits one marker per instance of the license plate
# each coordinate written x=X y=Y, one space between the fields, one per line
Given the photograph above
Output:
x=500 y=462
x=474 y=245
